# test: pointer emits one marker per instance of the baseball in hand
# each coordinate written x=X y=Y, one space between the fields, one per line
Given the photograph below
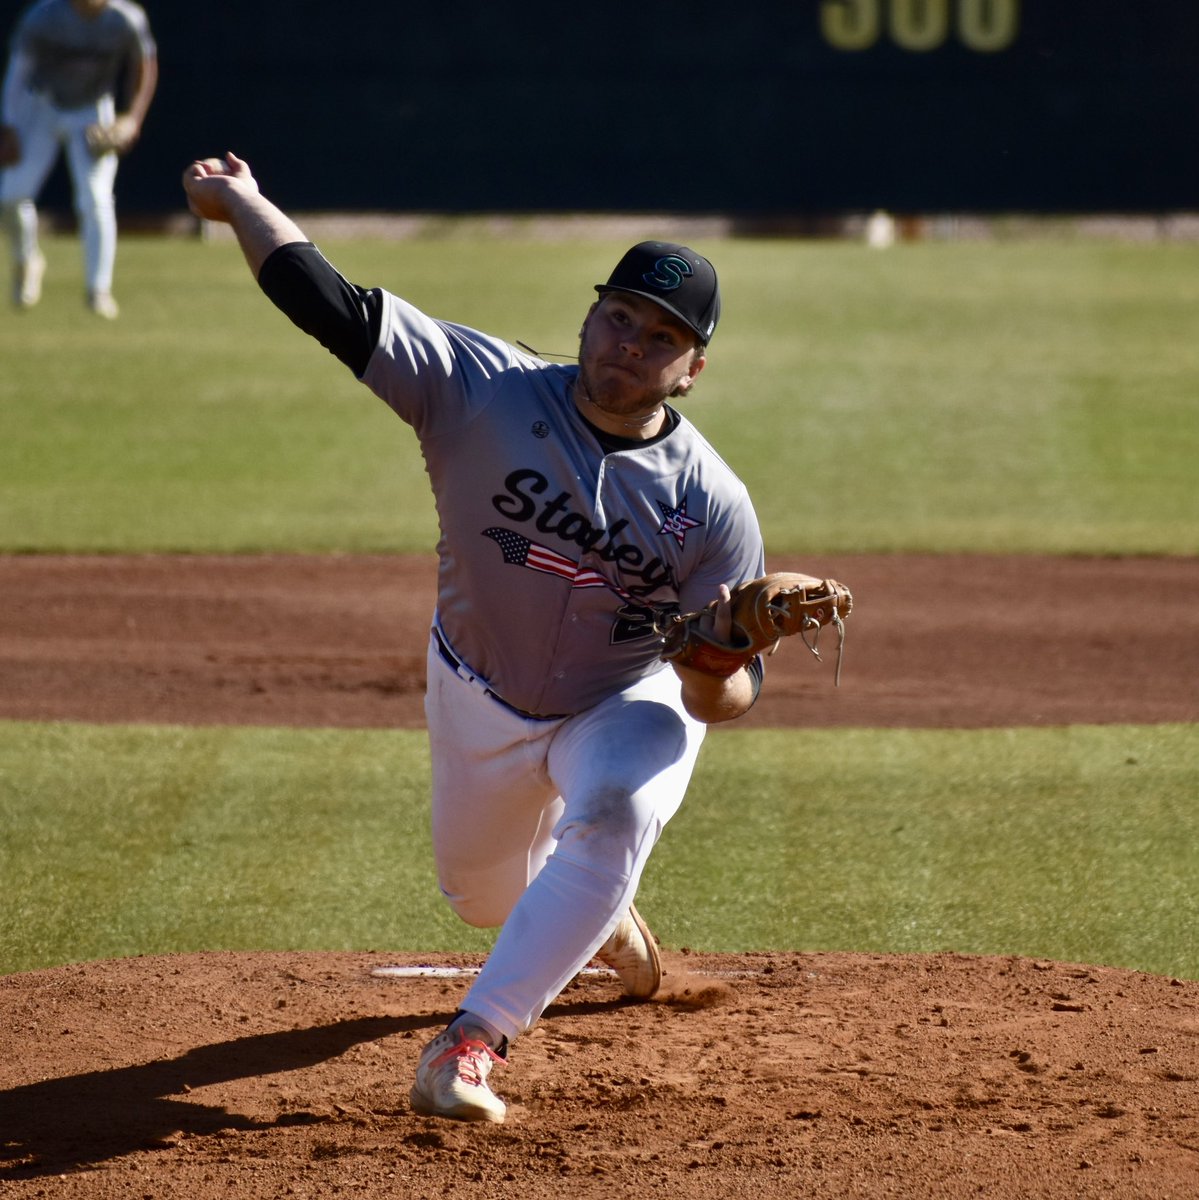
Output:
x=211 y=184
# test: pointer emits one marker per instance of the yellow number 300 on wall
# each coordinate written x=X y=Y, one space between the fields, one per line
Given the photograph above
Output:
x=920 y=25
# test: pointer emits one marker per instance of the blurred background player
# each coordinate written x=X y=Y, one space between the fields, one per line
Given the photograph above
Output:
x=67 y=59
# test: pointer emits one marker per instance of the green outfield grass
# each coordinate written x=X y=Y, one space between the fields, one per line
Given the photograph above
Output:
x=1073 y=844
x=937 y=397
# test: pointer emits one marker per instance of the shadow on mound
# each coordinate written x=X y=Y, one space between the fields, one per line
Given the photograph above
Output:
x=79 y=1120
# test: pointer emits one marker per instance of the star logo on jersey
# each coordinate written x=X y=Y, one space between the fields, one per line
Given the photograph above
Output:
x=676 y=522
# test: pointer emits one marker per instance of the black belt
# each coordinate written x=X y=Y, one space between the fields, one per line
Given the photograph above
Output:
x=464 y=672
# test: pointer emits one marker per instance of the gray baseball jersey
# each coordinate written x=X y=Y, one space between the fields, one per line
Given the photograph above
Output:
x=554 y=555
x=75 y=60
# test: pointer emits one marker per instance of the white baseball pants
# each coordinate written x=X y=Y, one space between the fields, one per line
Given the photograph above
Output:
x=544 y=827
x=44 y=131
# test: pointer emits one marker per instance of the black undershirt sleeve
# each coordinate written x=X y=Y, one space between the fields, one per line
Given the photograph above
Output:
x=344 y=318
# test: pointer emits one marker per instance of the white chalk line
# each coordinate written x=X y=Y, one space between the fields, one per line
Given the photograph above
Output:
x=456 y=972
x=432 y=972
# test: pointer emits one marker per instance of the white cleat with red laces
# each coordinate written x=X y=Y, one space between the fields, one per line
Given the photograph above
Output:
x=451 y=1079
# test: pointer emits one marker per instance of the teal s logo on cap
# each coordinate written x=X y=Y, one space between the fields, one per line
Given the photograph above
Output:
x=673 y=276
x=668 y=273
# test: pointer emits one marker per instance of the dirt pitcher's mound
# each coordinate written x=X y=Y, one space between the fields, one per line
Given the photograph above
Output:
x=769 y=1075
x=786 y=1075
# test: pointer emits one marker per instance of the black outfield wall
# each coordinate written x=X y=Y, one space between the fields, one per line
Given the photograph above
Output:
x=809 y=107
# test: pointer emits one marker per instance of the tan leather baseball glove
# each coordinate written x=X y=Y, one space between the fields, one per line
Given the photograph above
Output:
x=118 y=136
x=10 y=146
x=764 y=611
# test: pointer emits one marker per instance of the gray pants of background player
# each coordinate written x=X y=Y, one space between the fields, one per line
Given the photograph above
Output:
x=45 y=131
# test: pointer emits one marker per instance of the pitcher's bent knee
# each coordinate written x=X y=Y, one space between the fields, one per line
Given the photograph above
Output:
x=481 y=912
x=612 y=815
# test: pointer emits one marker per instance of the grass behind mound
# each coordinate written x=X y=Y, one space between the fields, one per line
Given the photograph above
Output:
x=1077 y=844
x=934 y=397
x=1010 y=397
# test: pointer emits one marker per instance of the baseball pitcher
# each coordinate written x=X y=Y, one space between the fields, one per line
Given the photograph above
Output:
x=585 y=523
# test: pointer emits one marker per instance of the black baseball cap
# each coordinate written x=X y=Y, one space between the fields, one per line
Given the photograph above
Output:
x=681 y=281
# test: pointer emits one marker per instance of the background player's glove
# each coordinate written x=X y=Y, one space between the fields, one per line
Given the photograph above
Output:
x=10 y=146
x=764 y=611
x=118 y=136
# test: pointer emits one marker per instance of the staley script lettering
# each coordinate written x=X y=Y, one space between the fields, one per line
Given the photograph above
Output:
x=556 y=517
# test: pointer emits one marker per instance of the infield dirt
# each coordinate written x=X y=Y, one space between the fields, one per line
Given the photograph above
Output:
x=771 y=1075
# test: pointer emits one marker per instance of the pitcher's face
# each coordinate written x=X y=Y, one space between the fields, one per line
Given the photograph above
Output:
x=633 y=354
